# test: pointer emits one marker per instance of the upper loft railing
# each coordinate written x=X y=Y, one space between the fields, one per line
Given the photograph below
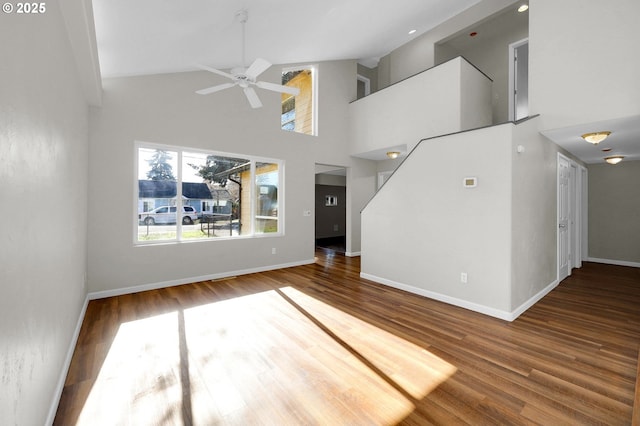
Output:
x=448 y=98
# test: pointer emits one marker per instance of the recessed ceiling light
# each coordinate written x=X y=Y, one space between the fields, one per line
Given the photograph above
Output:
x=523 y=8
x=606 y=149
x=412 y=32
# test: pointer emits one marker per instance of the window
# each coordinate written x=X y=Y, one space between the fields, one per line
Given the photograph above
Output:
x=298 y=112
x=185 y=195
x=331 y=200
x=266 y=214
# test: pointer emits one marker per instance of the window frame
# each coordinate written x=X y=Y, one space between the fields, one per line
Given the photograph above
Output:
x=314 y=96
x=180 y=150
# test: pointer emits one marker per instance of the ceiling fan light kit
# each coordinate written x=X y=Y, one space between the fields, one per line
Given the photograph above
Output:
x=246 y=78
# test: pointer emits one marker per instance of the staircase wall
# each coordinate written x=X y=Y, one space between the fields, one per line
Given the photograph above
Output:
x=424 y=228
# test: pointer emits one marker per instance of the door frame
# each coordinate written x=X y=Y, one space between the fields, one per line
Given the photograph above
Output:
x=512 y=75
x=578 y=219
x=367 y=84
x=559 y=194
x=323 y=168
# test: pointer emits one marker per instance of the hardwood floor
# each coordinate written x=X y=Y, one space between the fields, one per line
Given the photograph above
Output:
x=317 y=344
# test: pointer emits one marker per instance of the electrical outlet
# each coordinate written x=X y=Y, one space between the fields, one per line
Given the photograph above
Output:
x=336 y=227
x=273 y=250
x=463 y=277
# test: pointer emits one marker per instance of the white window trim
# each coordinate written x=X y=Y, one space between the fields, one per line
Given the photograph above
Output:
x=252 y=192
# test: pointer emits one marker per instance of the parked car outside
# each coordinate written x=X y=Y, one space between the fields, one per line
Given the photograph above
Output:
x=167 y=215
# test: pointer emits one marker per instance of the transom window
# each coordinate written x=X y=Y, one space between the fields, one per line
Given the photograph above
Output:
x=184 y=195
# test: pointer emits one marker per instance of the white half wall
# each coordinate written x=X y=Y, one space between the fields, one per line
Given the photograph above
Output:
x=423 y=228
x=445 y=99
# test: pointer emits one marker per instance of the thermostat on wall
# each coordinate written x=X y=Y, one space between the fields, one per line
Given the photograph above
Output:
x=470 y=182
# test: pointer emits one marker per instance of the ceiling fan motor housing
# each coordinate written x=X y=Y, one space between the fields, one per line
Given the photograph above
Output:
x=246 y=77
x=242 y=15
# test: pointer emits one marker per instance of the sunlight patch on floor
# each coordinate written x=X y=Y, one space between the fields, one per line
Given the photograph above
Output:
x=410 y=366
x=139 y=374
x=277 y=357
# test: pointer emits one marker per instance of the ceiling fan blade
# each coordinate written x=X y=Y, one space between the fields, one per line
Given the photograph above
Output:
x=215 y=71
x=214 y=88
x=257 y=67
x=253 y=98
x=278 y=88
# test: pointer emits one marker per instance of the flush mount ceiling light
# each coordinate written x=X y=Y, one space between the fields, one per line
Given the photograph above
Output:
x=614 y=159
x=523 y=8
x=595 y=137
x=393 y=154
x=412 y=32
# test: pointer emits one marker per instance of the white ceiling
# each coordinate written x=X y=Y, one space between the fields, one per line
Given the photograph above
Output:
x=624 y=139
x=161 y=36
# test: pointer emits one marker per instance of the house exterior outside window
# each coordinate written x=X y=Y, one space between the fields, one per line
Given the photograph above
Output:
x=299 y=112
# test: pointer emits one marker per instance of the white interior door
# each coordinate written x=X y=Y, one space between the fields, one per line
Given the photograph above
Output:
x=564 y=255
x=519 y=80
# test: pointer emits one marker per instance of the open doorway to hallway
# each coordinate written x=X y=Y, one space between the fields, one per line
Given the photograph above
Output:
x=331 y=207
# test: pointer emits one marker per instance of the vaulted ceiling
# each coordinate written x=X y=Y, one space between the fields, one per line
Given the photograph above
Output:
x=160 y=36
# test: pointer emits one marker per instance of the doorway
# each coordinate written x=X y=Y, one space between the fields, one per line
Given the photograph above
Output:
x=519 y=80
x=364 y=86
x=331 y=207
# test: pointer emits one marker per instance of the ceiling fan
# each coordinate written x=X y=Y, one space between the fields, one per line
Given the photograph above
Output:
x=246 y=78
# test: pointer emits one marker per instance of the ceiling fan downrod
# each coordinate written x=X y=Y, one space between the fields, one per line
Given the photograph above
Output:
x=242 y=16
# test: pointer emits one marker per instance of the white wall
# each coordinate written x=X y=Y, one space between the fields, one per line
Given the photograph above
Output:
x=475 y=97
x=423 y=228
x=441 y=100
x=327 y=179
x=583 y=64
x=490 y=53
x=361 y=186
x=164 y=109
x=614 y=212
x=534 y=210
x=419 y=54
x=43 y=188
